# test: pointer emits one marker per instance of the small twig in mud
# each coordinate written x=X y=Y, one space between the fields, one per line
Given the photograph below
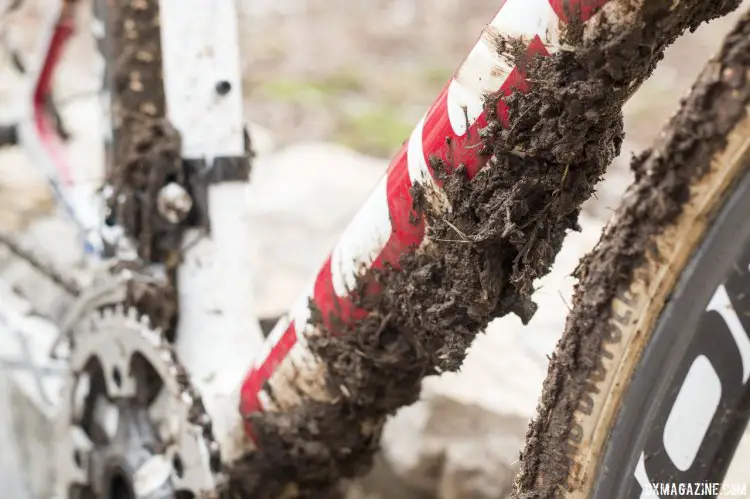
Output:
x=521 y=256
x=518 y=152
x=563 y=300
x=383 y=324
x=458 y=231
x=454 y=241
x=565 y=175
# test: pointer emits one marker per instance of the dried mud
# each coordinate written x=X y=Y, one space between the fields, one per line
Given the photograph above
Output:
x=505 y=229
x=664 y=175
x=145 y=151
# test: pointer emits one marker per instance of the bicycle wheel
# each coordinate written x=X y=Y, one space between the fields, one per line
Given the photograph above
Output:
x=648 y=387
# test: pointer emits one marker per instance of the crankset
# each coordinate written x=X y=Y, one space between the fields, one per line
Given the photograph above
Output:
x=131 y=425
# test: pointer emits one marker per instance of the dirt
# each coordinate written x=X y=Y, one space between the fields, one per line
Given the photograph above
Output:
x=150 y=159
x=663 y=178
x=144 y=154
x=145 y=151
x=505 y=229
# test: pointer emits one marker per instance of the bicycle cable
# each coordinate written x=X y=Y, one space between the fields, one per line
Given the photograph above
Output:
x=44 y=268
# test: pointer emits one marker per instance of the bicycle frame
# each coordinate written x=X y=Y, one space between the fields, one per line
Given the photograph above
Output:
x=384 y=229
x=218 y=330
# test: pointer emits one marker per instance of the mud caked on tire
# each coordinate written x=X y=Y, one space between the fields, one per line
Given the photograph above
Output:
x=659 y=314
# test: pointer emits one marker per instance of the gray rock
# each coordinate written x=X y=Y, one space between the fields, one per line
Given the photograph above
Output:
x=453 y=450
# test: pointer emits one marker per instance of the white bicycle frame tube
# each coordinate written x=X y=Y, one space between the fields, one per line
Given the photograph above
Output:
x=218 y=330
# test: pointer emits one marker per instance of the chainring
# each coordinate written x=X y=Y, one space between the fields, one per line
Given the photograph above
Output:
x=131 y=425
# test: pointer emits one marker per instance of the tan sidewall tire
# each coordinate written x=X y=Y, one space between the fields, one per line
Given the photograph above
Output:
x=636 y=311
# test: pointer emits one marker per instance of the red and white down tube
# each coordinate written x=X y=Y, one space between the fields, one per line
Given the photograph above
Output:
x=384 y=228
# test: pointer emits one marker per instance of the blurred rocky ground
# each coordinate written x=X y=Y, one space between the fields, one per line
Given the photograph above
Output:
x=333 y=87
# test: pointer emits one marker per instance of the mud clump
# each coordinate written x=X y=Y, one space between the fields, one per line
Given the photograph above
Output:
x=145 y=151
x=504 y=230
x=149 y=159
x=144 y=154
x=664 y=175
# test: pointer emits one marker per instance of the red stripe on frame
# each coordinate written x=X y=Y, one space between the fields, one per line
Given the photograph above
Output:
x=582 y=10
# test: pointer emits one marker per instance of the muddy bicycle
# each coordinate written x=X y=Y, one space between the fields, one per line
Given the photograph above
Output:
x=171 y=388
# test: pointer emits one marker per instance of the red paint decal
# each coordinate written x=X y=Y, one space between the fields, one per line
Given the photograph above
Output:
x=583 y=10
x=256 y=378
x=407 y=225
x=43 y=122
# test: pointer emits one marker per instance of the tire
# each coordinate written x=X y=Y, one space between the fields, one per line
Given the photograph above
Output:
x=660 y=322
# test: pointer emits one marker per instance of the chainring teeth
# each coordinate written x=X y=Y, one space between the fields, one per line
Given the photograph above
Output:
x=114 y=336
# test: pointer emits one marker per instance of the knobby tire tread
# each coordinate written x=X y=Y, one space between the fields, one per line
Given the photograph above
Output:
x=680 y=184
